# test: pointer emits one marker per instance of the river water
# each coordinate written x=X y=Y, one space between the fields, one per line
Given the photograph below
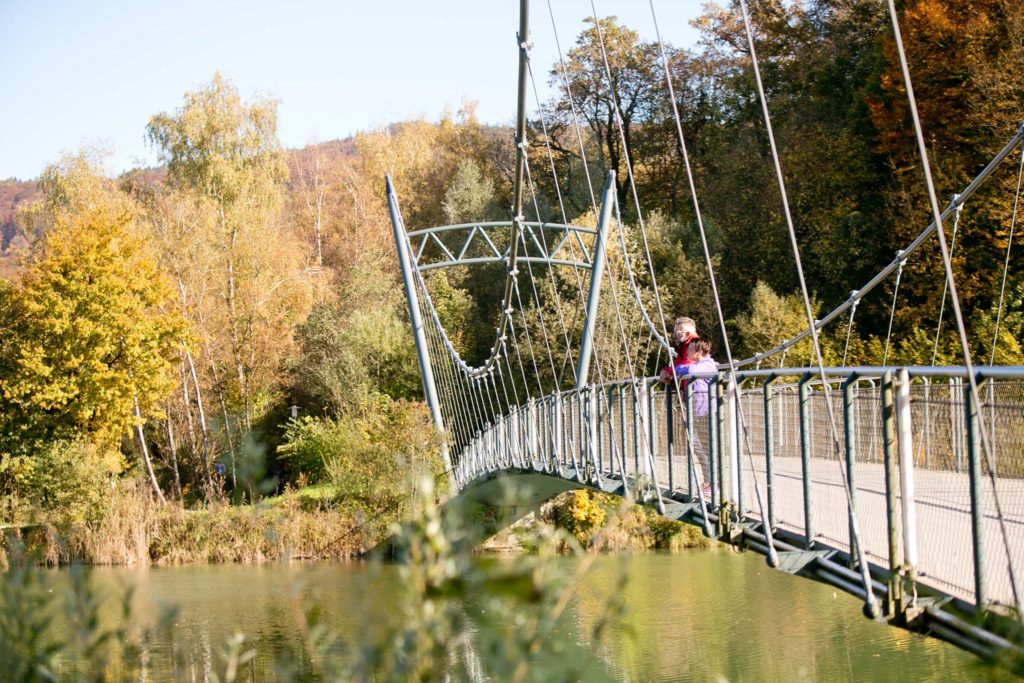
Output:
x=693 y=616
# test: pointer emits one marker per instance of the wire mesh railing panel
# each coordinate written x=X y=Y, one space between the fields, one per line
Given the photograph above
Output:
x=940 y=426
x=942 y=485
x=633 y=433
x=676 y=408
x=868 y=481
x=613 y=430
x=601 y=433
x=787 y=476
x=657 y=437
x=751 y=450
x=1002 y=413
x=830 y=520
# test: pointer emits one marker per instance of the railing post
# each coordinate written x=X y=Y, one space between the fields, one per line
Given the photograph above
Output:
x=559 y=431
x=889 y=452
x=570 y=436
x=728 y=435
x=717 y=440
x=531 y=415
x=595 y=429
x=805 y=457
x=691 y=478
x=652 y=433
x=906 y=463
x=720 y=419
x=977 y=514
x=769 y=464
x=549 y=431
x=590 y=421
x=574 y=432
x=670 y=437
x=736 y=450
x=622 y=436
x=610 y=421
x=637 y=407
x=849 y=431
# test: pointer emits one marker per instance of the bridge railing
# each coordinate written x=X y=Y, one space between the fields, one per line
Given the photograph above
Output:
x=907 y=440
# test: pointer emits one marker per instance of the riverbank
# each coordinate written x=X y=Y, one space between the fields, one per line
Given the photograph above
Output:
x=135 y=530
x=310 y=524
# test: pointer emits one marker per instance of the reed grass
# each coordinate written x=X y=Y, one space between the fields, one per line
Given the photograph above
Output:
x=134 y=529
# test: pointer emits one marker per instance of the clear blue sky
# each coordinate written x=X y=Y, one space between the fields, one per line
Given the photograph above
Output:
x=86 y=72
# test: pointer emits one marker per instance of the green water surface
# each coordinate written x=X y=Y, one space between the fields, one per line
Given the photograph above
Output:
x=694 y=616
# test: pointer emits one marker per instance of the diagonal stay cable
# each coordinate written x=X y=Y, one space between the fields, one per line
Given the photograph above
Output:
x=945 y=285
x=872 y=605
x=662 y=337
x=533 y=281
x=644 y=318
x=892 y=311
x=849 y=328
x=563 y=72
x=709 y=264
x=612 y=279
x=565 y=219
x=954 y=300
x=921 y=239
x=1006 y=263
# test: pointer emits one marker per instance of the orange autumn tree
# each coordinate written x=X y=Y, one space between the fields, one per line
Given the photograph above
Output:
x=965 y=59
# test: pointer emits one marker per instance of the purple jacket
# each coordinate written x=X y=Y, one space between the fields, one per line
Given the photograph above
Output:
x=699 y=386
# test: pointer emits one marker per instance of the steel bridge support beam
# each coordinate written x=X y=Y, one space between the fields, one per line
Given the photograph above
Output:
x=850 y=434
x=422 y=355
x=769 y=465
x=974 y=473
x=803 y=391
x=889 y=448
x=597 y=262
x=904 y=442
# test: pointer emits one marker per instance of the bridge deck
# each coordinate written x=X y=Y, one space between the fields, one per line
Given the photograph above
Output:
x=943 y=517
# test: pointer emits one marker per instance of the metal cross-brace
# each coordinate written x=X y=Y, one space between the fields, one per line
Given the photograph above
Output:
x=546 y=244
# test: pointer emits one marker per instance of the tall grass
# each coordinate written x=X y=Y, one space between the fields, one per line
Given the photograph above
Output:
x=133 y=529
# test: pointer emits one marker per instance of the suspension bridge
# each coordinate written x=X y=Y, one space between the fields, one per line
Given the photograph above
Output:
x=903 y=486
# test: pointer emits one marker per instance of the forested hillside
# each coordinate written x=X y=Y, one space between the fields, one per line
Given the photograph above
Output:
x=166 y=323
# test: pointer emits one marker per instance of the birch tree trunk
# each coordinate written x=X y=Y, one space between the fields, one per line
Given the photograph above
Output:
x=174 y=457
x=202 y=422
x=145 y=452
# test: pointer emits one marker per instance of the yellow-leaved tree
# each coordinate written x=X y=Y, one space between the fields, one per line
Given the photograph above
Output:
x=88 y=337
x=247 y=280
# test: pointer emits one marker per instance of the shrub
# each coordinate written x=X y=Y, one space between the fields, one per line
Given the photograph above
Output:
x=69 y=478
x=581 y=514
x=368 y=456
x=309 y=442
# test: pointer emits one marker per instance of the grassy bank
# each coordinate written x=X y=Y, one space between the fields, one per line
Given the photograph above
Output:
x=134 y=530
x=308 y=524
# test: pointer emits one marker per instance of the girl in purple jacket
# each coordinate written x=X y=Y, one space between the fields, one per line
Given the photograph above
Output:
x=698 y=359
